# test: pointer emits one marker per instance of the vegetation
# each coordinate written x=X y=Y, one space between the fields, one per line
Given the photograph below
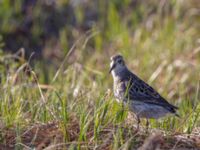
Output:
x=65 y=100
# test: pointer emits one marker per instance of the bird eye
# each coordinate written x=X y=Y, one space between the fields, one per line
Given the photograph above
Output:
x=120 y=61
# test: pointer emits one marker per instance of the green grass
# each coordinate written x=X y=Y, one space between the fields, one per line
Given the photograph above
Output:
x=72 y=106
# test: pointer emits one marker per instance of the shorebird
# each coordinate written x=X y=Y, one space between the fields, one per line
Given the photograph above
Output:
x=141 y=98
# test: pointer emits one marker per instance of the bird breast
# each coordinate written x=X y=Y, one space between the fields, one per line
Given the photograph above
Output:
x=119 y=90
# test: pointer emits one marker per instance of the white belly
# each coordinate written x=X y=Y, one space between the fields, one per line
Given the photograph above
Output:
x=144 y=110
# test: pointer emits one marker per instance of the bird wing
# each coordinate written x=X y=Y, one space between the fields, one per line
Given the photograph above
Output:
x=138 y=90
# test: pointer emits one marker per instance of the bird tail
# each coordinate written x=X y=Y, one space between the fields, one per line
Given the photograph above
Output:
x=177 y=115
x=173 y=110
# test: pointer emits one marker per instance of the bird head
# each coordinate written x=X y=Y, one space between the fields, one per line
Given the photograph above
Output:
x=117 y=63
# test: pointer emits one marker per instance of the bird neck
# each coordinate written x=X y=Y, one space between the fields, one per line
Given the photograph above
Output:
x=120 y=72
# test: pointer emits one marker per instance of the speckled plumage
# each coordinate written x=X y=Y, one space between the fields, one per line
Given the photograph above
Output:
x=142 y=99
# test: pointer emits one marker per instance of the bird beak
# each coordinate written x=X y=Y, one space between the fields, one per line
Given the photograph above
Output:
x=112 y=67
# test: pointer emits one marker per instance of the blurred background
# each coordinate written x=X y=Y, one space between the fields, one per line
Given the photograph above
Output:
x=50 y=27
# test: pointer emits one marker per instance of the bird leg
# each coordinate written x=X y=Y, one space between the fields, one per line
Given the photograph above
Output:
x=138 y=123
x=147 y=125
